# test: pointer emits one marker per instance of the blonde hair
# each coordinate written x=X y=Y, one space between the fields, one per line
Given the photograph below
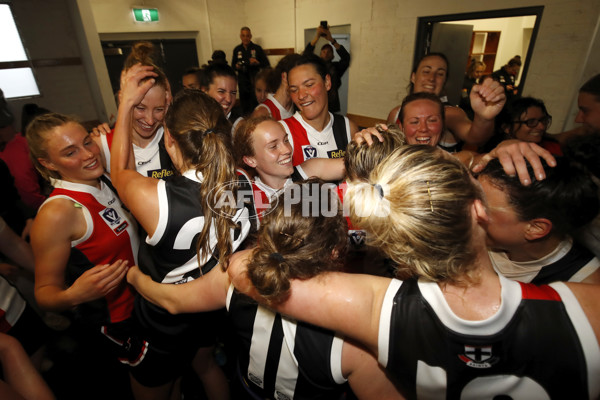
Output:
x=202 y=133
x=416 y=208
x=144 y=53
x=36 y=135
x=293 y=245
x=361 y=159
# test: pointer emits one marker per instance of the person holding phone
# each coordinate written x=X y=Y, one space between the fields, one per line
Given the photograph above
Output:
x=336 y=68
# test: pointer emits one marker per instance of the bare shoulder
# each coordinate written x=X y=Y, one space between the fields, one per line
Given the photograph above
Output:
x=588 y=296
x=60 y=212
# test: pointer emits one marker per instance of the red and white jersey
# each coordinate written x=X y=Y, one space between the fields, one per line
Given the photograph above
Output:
x=149 y=161
x=309 y=143
x=277 y=111
x=111 y=235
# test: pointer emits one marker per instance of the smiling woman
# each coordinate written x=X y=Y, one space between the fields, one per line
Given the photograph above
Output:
x=81 y=266
x=314 y=131
x=151 y=158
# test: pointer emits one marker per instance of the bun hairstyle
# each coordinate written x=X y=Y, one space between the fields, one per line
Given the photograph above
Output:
x=203 y=135
x=567 y=197
x=284 y=65
x=212 y=71
x=145 y=53
x=36 y=134
x=361 y=159
x=294 y=245
x=416 y=207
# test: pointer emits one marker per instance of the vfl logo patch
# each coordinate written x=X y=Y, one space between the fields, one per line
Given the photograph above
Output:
x=309 y=152
x=478 y=356
x=357 y=237
x=113 y=220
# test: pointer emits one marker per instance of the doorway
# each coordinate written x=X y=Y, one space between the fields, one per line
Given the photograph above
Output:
x=176 y=55
x=458 y=35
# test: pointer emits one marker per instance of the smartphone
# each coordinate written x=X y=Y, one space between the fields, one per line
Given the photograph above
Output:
x=324 y=26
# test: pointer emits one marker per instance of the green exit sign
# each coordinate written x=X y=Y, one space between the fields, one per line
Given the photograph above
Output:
x=145 y=14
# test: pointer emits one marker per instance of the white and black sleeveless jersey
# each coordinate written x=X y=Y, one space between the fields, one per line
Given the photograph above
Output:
x=169 y=256
x=281 y=358
x=538 y=345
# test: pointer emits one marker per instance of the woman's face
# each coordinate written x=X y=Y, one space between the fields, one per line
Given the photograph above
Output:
x=422 y=122
x=272 y=152
x=479 y=70
x=504 y=229
x=534 y=115
x=260 y=90
x=224 y=90
x=308 y=91
x=73 y=154
x=430 y=76
x=150 y=113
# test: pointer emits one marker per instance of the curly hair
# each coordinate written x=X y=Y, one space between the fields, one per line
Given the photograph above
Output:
x=293 y=245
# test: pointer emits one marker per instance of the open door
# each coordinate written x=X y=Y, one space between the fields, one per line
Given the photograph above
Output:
x=454 y=41
x=433 y=35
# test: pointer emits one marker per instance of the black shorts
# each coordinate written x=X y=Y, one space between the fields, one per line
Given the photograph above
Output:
x=165 y=358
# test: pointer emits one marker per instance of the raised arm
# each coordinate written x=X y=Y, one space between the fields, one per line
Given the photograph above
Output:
x=137 y=192
x=52 y=248
x=333 y=300
x=207 y=293
x=487 y=100
x=328 y=169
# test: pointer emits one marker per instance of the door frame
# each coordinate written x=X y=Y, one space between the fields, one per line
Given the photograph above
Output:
x=425 y=30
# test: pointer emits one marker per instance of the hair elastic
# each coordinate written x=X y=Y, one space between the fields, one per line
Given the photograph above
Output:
x=277 y=257
x=379 y=189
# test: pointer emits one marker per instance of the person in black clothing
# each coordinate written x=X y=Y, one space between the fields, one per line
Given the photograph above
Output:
x=336 y=68
x=507 y=76
x=248 y=58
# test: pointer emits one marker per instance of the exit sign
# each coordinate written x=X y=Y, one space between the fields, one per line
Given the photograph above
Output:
x=145 y=14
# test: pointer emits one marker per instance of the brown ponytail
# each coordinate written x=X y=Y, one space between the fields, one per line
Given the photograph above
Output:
x=203 y=135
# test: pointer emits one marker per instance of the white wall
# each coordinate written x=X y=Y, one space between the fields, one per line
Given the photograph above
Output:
x=382 y=42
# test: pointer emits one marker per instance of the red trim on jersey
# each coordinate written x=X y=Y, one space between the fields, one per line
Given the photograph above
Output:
x=109 y=138
x=4 y=324
x=300 y=138
x=262 y=202
x=341 y=191
x=273 y=108
x=543 y=292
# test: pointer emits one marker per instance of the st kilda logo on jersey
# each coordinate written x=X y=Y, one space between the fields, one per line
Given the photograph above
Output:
x=478 y=356
x=113 y=220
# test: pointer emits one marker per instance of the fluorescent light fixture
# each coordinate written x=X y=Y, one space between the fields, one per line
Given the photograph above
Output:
x=145 y=14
